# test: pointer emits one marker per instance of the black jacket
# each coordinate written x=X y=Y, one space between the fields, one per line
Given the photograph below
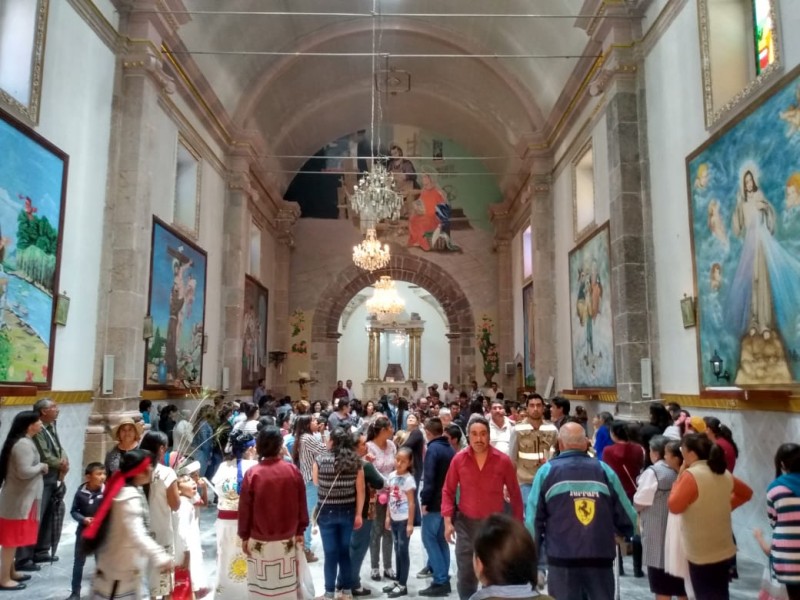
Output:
x=86 y=503
x=437 y=460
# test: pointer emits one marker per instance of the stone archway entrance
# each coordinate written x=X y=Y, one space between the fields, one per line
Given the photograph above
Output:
x=412 y=269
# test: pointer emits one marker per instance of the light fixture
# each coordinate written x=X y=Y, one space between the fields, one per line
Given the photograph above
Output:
x=716 y=367
x=370 y=255
x=385 y=303
x=374 y=198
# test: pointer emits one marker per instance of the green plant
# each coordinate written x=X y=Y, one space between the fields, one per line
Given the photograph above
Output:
x=297 y=321
x=488 y=349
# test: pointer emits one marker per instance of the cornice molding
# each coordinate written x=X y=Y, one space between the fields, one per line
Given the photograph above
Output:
x=97 y=22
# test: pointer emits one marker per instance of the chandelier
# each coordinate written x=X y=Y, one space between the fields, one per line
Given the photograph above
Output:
x=370 y=254
x=385 y=303
x=374 y=198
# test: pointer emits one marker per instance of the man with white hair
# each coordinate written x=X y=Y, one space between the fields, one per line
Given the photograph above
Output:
x=576 y=507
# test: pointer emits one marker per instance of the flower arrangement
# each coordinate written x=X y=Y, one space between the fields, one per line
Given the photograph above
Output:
x=488 y=349
x=297 y=321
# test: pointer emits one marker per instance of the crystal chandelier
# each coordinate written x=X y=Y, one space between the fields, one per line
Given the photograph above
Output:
x=385 y=303
x=370 y=255
x=374 y=198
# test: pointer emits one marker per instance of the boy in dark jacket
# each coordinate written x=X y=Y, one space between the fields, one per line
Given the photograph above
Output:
x=84 y=506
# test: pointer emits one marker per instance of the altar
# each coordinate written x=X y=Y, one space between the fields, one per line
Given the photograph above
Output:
x=395 y=356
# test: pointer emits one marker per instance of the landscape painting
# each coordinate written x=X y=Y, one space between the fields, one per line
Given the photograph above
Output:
x=254 y=333
x=177 y=307
x=744 y=188
x=33 y=178
x=527 y=320
x=590 y=313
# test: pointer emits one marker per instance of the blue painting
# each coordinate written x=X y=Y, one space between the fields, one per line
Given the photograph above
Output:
x=33 y=177
x=177 y=307
x=745 y=220
x=590 y=313
x=528 y=328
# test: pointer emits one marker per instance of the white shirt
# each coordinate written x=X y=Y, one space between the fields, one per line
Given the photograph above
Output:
x=351 y=395
x=417 y=394
x=225 y=483
x=160 y=512
x=500 y=437
x=646 y=488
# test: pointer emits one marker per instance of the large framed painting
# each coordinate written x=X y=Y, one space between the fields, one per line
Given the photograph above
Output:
x=528 y=324
x=174 y=355
x=33 y=183
x=744 y=211
x=254 y=333
x=591 y=314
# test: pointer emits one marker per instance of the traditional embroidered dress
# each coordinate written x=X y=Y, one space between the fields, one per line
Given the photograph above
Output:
x=231 y=561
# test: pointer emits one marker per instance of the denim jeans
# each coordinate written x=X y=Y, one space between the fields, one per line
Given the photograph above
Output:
x=359 y=544
x=381 y=539
x=525 y=488
x=77 y=566
x=336 y=527
x=311 y=503
x=400 y=539
x=435 y=545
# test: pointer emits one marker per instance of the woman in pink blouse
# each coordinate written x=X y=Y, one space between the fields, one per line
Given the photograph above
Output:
x=382 y=451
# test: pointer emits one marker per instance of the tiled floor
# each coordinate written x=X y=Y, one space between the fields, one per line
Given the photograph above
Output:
x=53 y=581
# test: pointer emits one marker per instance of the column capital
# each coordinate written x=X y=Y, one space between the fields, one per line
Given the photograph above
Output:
x=501 y=216
x=142 y=58
x=621 y=64
x=288 y=213
x=242 y=182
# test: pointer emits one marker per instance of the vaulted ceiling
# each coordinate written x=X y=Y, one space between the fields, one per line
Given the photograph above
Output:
x=493 y=106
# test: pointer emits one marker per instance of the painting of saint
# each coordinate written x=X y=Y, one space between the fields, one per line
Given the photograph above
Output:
x=254 y=333
x=751 y=317
x=429 y=221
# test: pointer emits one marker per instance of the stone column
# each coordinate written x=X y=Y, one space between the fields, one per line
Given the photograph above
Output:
x=418 y=354
x=236 y=227
x=288 y=213
x=374 y=361
x=500 y=217
x=412 y=373
x=545 y=360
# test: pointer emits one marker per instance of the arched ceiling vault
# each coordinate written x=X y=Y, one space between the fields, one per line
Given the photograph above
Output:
x=300 y=103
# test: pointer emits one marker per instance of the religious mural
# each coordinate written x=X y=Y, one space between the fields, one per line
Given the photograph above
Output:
x=174 y=355
x=33 y=176
x=444 y=189
x=590 y=313
x=254 y=333
x=745 y=222
x=528 y=324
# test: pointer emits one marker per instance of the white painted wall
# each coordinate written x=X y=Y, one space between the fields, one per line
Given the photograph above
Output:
x=353 y=345
x=76 y=117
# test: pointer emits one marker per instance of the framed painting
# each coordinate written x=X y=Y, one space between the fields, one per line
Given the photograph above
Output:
x=528 y=348
x=744 y=211
x=254 y=333
x=33 y=183
x=591 y=314
x=174 y=355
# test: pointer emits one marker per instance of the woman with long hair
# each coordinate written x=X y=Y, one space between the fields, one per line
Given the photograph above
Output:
x=415 y=441
x=783 y=497
x=119 y=534
x=505 y=560
x=340 y=477
x=273 y=536
x=602 y=432
x=382 y=448
x=307 y=446
x=21 y=478
x=722 y=436
x=705 y=494
x=240 y=456
x=202 y=442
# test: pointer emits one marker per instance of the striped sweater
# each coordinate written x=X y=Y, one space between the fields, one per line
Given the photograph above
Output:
x=783 y=508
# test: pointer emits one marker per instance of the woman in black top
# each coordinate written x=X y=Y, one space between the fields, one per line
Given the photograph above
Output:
x=416 y=443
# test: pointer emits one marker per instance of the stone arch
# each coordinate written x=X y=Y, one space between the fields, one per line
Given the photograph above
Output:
x=411 y=269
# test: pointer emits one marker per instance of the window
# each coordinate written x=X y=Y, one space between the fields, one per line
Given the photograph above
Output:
x=527 y=253
x=739 y=52
x=583 y=218
x=187 y=190
x=255 y=251
x=22 y=35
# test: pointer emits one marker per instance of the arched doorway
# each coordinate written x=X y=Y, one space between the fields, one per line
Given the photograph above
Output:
x=408 y=268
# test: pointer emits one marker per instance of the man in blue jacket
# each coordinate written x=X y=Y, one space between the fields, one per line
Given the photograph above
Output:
x=576 y=507
x=437 y=460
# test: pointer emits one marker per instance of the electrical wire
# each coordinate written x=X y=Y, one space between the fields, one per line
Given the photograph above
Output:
x=385 y=55
x=431 y=15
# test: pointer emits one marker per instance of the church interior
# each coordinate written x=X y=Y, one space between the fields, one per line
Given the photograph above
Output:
x=597 y=199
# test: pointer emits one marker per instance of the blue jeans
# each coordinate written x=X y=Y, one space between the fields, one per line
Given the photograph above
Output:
x=359 y=544
x=335 y=527
x=400 y=539
x=311 y=503
x=435 y=545
x=77 y=566
x=525 y=488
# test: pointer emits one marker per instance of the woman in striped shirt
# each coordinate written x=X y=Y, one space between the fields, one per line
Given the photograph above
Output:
x=340 y=478
x=783 y=508
x=307 y=446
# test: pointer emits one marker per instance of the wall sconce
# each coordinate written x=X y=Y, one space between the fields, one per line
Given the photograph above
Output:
x=716 y=367
x=277 y=357
x=62 y=309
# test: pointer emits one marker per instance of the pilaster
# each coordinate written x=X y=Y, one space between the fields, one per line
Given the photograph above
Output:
x=500 y=216
x=288 y=213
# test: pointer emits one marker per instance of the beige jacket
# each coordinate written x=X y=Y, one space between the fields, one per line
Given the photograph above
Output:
x=23 y=484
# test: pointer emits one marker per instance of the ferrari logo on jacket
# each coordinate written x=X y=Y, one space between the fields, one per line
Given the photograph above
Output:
x=584 y=510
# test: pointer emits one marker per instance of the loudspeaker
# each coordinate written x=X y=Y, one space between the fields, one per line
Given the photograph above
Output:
x=548 y=390
x=647 y=379
x=108 y=374
x=510 y=368
x=226 y=379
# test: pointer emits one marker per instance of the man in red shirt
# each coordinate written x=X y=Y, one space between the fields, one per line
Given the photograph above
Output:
x=483 y=475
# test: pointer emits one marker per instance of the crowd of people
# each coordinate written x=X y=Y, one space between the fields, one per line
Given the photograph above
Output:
x=530 y=499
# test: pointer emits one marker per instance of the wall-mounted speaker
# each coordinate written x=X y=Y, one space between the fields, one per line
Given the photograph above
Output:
x=108 y=374
x=647 y=379
x=226 y=379
x=510 y=368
